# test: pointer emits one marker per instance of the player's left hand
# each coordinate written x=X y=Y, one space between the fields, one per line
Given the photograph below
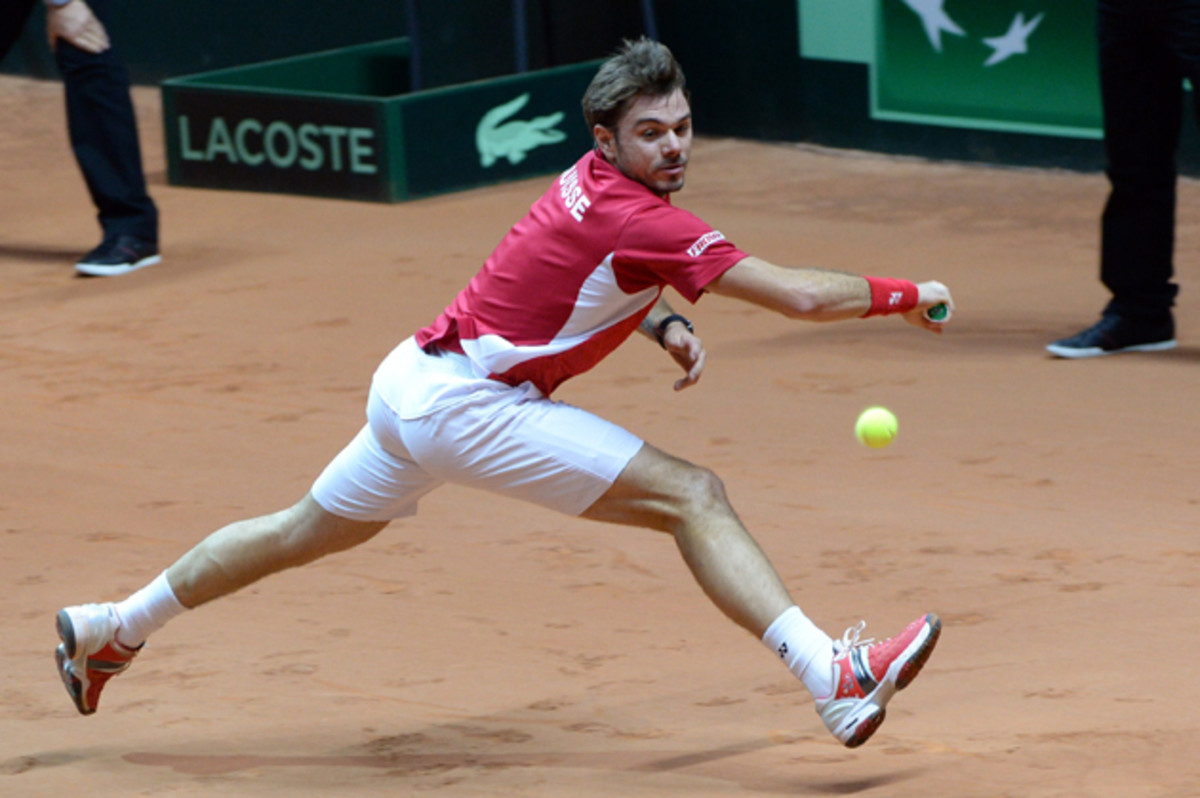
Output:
x=688 y=351
x=76 y=23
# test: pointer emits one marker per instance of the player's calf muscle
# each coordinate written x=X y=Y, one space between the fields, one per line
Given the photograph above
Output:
x=244 y=552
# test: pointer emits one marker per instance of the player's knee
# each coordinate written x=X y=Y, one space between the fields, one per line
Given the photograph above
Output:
x=702 y=493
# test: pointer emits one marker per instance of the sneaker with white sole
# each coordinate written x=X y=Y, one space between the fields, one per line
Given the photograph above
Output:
x=89 y=654
x=1115 y=334
x=118 y=255
x=867 y=674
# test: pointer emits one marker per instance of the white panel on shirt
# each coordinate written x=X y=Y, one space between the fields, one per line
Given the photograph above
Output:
x=599 y=305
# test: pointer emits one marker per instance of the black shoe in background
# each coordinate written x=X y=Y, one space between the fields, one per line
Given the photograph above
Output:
x=1114 y=334
x=119 y=255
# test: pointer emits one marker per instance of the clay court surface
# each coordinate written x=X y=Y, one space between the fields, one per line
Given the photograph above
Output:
x=1047 y=510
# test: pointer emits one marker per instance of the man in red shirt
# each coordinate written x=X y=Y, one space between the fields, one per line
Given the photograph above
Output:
x=466 y=400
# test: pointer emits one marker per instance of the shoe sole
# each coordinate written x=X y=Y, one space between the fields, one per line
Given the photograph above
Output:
x=71 y=682
x=98 y=270
x=63 y=657
x=899 y=676
x=66 y=632
x=1074 y=353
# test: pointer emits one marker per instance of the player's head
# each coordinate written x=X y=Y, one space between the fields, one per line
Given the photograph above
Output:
x=640 y=114
x=640 y=67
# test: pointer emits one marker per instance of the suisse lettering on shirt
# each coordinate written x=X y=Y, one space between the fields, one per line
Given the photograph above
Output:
x=573 y=197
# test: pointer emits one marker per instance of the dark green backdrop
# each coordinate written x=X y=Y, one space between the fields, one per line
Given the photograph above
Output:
x=742 y=61
x=166 y=38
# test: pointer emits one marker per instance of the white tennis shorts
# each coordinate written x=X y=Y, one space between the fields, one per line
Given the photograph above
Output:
x=432 y=419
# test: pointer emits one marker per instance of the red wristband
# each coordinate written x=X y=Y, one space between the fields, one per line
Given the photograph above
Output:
x=890 y=296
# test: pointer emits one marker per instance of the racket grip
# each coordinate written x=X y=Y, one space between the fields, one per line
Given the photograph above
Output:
x=939 y=313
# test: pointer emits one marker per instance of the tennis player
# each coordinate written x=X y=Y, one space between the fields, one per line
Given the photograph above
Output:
x=467 y=400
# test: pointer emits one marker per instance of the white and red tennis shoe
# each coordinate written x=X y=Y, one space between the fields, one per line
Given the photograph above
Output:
x=867 y=674
x=89 y=654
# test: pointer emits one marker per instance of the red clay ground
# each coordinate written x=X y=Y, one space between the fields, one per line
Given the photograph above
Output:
x=1047 y=510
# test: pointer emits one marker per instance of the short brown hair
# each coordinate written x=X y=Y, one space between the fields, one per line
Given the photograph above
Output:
x=641 y=67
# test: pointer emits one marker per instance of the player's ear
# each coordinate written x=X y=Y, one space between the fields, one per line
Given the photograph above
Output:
x=606 y=141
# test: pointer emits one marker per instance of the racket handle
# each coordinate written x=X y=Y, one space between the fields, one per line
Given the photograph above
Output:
x=939 y=313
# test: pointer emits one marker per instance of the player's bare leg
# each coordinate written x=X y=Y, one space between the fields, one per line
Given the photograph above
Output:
x=662 y=492
x=851 y=679
x=244 y=552
x=100 y=641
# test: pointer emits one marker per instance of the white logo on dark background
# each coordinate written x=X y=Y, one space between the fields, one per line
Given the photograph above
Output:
x=936 y=21
x=496 y=138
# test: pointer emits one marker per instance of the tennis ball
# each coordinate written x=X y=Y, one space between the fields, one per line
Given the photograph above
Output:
x=876 y=427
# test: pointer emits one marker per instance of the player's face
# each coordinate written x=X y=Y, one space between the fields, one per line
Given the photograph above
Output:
x=652 y=142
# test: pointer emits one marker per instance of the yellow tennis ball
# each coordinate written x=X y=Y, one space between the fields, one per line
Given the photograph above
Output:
x=876 y=427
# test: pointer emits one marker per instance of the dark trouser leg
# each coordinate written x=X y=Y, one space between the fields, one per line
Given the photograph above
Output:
x=12 y=23
x=1142 y=93
x=104 y=137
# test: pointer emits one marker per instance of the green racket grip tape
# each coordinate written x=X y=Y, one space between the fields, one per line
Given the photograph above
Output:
x=939 y=313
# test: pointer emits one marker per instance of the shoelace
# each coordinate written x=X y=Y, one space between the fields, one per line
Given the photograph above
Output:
x=851 y=639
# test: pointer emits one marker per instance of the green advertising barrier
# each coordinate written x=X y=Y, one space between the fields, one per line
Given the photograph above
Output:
x=1026 y=66
x=344 y=124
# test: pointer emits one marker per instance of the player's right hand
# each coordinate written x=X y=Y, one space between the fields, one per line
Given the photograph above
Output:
x=929 y=294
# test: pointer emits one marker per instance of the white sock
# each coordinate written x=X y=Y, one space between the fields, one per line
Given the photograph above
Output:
x=147 y=611
x=805 y=649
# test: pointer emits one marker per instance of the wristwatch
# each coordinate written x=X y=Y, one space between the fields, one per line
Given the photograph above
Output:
x=660 y=329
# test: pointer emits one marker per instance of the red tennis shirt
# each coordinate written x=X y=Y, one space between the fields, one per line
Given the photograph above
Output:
x=574 y=278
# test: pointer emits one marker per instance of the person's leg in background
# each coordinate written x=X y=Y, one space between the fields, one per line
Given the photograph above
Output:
x=104 y=136
x=1141 y=90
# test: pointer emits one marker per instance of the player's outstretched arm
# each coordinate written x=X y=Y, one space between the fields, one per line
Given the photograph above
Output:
x=826 y=295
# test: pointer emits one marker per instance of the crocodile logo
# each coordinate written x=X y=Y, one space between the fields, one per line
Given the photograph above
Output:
x=497 y=138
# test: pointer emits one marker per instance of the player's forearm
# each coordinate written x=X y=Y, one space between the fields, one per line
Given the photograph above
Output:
x=825 y=295
x=796 y=292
